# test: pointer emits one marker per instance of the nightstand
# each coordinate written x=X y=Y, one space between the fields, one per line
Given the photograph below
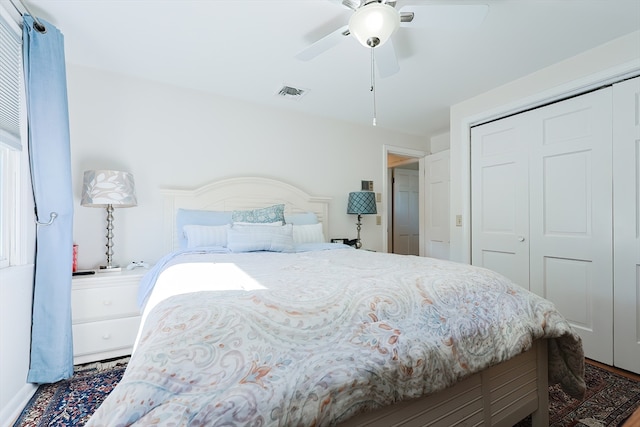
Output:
x=105 y=315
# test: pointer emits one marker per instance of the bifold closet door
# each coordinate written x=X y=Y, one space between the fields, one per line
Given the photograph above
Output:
x=626 y=210
x=541 y=209
x=571 y=215
x=500 y=198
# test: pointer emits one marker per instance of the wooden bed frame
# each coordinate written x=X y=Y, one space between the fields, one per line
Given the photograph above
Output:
x=499 y=396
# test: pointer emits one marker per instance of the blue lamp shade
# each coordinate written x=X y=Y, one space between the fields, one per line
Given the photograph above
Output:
x=362 y=203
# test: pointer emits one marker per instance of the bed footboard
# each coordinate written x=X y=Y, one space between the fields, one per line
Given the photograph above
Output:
x=499 y=396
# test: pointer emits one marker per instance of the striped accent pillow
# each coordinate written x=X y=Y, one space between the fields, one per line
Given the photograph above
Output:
x=260 y=238
x=311 y=233
x=206 y=235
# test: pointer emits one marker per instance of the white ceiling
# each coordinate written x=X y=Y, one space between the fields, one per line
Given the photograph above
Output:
x=245 y=49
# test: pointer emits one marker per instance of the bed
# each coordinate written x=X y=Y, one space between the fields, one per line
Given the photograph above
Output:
x=265 y=330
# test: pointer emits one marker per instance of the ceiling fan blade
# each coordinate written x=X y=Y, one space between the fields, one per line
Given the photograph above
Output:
x=324 y=44
x=352 y=4
x=445 y=16
x=348 y=4
x=386 y=59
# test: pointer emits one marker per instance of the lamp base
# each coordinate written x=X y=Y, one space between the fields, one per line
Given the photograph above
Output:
x=109 y=268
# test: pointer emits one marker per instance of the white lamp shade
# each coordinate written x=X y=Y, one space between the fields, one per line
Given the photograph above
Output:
x=101 y=188
x=374 y=20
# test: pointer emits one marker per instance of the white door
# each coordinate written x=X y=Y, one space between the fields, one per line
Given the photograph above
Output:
x=626 y=211
x=571 y=241
x=406 y=232
x=500 y=198
x=437 y=205
x=541 y=209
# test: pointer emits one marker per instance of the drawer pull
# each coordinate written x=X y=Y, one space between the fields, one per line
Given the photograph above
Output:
x=106 y=337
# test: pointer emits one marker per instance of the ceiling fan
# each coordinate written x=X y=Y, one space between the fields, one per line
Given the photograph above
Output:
x=374 y=21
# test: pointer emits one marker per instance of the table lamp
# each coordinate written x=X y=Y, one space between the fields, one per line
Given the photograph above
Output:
x=361 y=203
x=108 y=189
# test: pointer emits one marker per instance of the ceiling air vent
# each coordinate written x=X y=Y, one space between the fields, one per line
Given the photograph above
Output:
x=292 y=92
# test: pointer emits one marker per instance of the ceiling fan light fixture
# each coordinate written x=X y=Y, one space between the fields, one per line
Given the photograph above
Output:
x=374 y=23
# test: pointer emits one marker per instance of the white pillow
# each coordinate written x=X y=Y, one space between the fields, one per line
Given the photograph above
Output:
x=206 y=235
x=311 y=233
x=260 y=238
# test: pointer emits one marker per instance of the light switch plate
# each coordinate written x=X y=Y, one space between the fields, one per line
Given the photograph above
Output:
x=458 y=220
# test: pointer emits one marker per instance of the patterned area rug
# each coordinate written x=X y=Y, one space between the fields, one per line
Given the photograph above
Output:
x=609 y=401
x=71 y=402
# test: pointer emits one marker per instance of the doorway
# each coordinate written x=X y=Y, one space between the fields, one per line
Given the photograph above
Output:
x=405 y=228
x=404 y=210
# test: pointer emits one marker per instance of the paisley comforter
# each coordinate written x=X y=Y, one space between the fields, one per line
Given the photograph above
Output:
x=313 y=338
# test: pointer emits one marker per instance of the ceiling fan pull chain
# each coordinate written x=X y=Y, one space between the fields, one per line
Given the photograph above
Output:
x=373 y=85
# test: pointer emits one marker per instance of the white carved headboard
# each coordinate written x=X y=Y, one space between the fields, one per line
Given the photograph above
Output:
x=240 y=193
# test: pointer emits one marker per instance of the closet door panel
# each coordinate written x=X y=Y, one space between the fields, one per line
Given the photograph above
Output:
x=571 y=217
x=569 y=280
x=500 y=200
x=626 y=179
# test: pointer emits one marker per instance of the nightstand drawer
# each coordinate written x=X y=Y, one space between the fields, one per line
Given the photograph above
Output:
x=100 y=337
x=103 y=303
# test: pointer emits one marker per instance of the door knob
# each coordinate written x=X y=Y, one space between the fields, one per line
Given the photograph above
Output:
x=520 y=238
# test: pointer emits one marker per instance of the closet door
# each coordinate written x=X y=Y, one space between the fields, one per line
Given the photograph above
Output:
x=626 y=208
x=570 y=186
x=541 y=195
x=500 y=198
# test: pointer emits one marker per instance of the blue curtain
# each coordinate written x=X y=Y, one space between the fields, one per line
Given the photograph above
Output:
x=50 y=161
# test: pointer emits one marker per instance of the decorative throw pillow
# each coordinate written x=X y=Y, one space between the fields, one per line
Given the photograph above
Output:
x=260 y=238
x=198 y=217
x=311 y=233
x=257 y=224
x=271 y=214
x=206 y=235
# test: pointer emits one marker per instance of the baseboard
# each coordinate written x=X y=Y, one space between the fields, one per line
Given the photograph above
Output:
x=12 y=411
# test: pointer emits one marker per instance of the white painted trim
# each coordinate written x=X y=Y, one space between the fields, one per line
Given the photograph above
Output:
x=391 y=149
x=570 y=89
x=14 y=408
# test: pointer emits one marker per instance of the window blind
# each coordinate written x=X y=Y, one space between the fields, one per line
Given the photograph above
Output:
x=10 y=75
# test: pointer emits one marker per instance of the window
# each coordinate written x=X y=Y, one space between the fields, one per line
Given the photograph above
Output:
x=10 y=143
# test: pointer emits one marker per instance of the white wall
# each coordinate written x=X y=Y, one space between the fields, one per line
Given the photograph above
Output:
x=440 y=142
x=620 y=57
x=172 y=137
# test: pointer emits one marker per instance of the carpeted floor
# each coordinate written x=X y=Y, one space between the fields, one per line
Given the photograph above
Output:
x=609 y=401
